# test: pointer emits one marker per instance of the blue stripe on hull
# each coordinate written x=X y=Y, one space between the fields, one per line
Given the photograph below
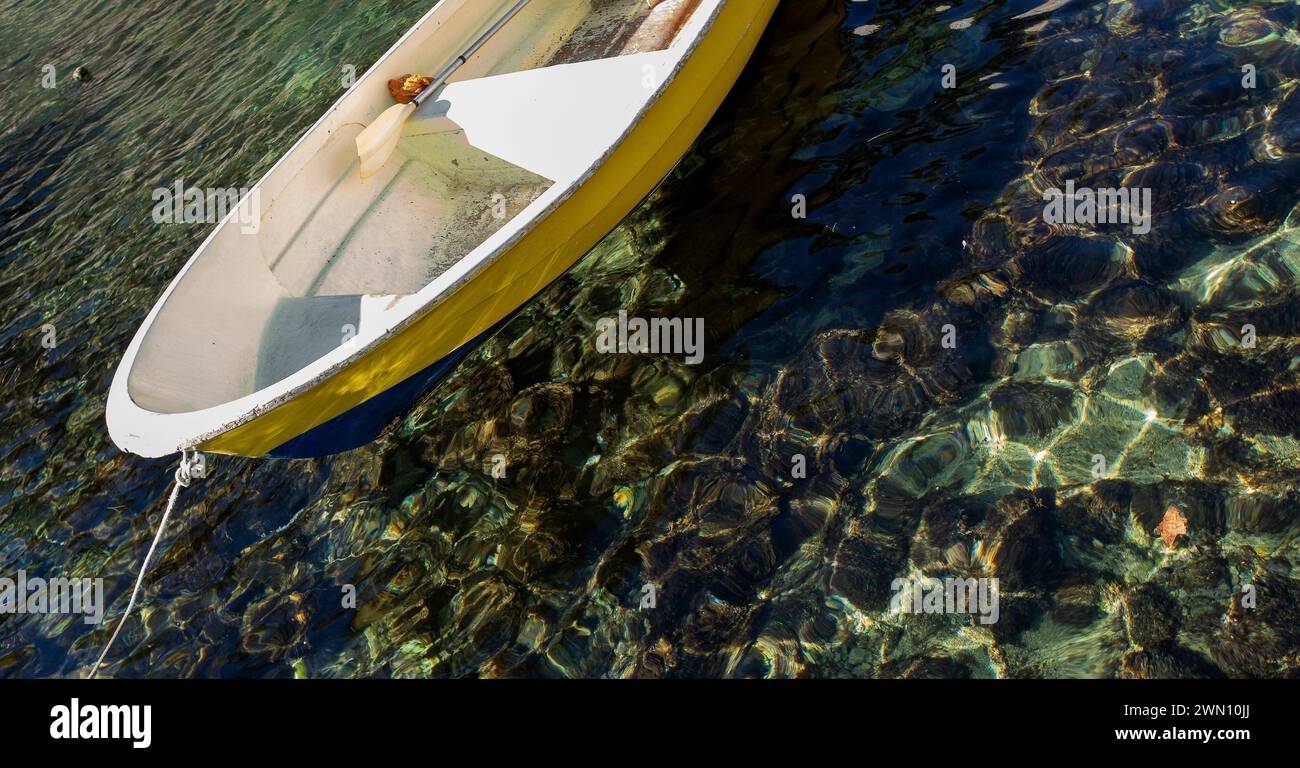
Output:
x=360 y=425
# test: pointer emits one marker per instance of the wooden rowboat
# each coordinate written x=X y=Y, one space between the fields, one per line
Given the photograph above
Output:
x=308 y=333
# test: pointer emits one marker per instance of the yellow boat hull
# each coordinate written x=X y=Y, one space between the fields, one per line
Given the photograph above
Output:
x=631 y=171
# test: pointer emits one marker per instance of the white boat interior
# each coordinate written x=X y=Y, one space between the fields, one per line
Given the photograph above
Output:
x=335 y=256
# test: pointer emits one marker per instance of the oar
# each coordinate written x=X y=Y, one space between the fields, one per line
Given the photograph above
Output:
x=376 y=143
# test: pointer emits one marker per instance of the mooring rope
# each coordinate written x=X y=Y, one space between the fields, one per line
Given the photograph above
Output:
x=184 y=474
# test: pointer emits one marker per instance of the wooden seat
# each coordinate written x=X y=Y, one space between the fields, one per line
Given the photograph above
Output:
x=658 y=30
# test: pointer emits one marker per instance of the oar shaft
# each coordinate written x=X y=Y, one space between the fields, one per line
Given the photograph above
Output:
x=441 y=79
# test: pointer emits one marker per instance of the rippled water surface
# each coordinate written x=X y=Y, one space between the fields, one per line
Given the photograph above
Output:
x=825 y=341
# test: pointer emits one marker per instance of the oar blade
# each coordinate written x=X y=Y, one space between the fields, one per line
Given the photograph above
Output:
x=376 y=143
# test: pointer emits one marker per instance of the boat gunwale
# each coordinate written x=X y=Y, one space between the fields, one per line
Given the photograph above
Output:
x=121 y=406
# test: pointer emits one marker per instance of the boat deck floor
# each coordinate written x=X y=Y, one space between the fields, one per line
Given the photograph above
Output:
x=435 y=201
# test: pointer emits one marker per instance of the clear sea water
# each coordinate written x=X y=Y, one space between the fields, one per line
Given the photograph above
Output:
x=825 y=351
